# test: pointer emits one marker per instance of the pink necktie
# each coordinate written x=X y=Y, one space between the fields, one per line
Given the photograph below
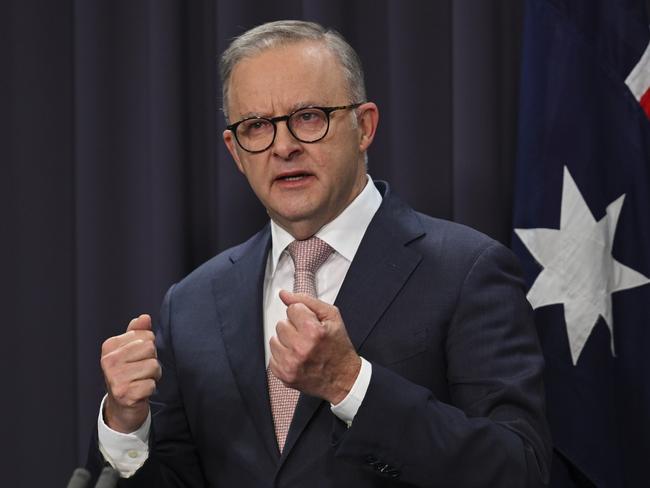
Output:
x=307 y=255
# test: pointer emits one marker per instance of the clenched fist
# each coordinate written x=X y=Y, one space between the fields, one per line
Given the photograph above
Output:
x=130 y=370
x=312 y=351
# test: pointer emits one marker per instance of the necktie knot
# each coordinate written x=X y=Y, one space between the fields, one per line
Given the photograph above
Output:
x=308 y=256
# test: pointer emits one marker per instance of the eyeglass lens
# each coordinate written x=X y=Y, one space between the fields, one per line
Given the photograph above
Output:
x=306 y=125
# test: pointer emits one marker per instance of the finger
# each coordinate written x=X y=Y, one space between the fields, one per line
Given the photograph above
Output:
x=286 y=333
x=113 y=343
x=323 y=311
x=147 y=369
x=302 y=316
x=137 y=350
x=143 y=389
x=135 y=392
x=278 y=350
x=143 y=322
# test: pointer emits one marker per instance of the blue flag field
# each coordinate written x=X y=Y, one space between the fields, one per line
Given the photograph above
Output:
x=582 y=230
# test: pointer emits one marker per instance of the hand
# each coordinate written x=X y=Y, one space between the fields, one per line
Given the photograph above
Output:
x=130 y=371
x=312 y=351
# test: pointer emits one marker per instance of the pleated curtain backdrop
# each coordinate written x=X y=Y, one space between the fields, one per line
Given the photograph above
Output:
x=114 y=182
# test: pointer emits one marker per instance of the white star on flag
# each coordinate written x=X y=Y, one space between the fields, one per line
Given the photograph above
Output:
x=579 y=269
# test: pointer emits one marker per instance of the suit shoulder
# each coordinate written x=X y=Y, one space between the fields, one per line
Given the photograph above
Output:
x=461 y=246
x=222 y=262
x=453 y=236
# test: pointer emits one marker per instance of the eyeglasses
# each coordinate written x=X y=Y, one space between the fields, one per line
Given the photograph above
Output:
x=308 y=124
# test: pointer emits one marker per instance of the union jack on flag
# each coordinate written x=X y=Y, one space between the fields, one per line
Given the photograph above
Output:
x=639 y=81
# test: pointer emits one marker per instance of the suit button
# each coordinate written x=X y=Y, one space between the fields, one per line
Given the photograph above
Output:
x=393 y=473
x=371 y=460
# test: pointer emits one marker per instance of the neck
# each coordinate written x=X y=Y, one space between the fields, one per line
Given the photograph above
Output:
x=304 y=229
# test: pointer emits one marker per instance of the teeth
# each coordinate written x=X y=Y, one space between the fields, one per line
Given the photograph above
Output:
x=293 y=178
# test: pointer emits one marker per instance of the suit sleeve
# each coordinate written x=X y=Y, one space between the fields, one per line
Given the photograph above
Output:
x=173 y=461
x=492 y=432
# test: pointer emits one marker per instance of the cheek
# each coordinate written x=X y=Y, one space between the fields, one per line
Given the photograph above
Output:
x=345 y=161
x=332 y=154
x=324 y=157
x=257 y=179
x=252 y=165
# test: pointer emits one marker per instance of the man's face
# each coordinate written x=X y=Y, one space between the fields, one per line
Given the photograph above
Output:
x=303 y=186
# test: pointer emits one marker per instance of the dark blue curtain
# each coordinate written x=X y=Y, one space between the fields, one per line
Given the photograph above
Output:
x=114 y=182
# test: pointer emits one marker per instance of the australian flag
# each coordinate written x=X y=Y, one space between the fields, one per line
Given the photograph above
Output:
x=582 y=230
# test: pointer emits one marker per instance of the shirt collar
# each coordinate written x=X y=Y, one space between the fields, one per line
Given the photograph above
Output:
x=343 y=234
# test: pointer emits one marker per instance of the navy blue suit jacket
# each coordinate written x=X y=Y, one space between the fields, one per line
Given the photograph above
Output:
x=456 y=396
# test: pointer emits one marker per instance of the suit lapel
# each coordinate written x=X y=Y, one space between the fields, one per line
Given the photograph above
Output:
x=238 y=294
x=381 y=267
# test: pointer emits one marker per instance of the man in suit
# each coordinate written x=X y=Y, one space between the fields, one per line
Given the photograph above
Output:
x=407 y=355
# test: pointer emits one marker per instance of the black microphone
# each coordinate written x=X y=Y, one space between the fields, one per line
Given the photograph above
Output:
x=79 y=478
x=108 y=478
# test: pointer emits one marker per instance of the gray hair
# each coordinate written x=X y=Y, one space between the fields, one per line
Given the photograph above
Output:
x=285 y=32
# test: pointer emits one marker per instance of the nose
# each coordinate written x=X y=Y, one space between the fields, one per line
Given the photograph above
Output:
x=285 y=145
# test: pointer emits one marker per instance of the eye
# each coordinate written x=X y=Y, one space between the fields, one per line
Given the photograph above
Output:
x=252 y=127
x=308 y=117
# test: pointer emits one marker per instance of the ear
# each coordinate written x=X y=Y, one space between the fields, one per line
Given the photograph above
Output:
x=368 y=120
x=231 y=144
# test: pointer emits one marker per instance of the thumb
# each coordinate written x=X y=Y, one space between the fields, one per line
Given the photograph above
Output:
x=143 y=322
x=322 y=310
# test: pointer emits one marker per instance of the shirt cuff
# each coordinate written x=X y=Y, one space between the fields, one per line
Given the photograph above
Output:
x=125 y=452
x=347 y=408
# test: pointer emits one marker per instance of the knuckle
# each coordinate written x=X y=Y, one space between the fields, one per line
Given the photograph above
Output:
x=130 y=401
x=107 y=362
x=150 y=348
x=119 y=392
x=298 y=356
x=144 y=335
x=290 y=377
x=317 y=332
x=108 y=345
x=153 y=364
x=313 y=336
x=294 y=362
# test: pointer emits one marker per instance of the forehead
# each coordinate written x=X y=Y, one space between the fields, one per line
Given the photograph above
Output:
x=281 y=78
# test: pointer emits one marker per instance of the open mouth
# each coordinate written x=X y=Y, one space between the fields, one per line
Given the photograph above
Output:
x=293 y=176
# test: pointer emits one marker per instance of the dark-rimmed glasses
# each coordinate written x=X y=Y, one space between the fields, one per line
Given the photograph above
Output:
x=307 y=124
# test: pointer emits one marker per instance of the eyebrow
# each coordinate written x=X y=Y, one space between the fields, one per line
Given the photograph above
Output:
x=293 y=108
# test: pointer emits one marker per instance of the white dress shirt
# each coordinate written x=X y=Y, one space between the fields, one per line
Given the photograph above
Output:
x=127 y=452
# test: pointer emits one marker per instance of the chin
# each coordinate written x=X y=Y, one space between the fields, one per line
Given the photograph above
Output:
x=296 y=217
x=295 y=212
